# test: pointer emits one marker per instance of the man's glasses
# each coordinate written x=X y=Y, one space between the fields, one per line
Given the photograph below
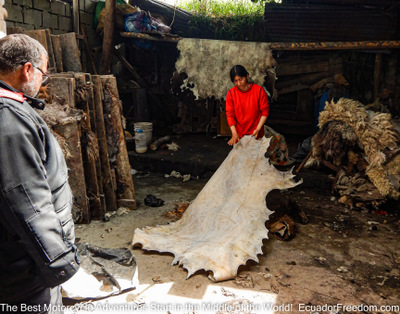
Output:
x=45 y=76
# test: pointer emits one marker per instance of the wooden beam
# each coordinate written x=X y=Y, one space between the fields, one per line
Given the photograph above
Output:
x=308 y=66
x=380 y=3
x=337 y=45
x=130 y=68
x=159 y=37
x=108 y=38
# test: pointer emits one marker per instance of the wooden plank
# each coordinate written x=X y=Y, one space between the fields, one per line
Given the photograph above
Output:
x=292 y=89
x=88 y=50
x=71 y=133
x=93 y=124
x=63 y=86
x=70 y=53
x=82 y=97
x=43 y=36
x=55 y=40
x=50 y=50
x=336 y=45
x=308 y=66
x=154 y=37
x=130 y=68
x=116 y=137
x=90 y=150
x=307 y=79
x=108 y=38
x=108 y=187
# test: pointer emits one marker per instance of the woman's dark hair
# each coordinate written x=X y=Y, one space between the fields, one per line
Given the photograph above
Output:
x=238 y=70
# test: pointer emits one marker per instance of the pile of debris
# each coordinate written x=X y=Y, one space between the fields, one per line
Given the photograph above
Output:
x=85 y=115
x=83 y=112
x=362 y=147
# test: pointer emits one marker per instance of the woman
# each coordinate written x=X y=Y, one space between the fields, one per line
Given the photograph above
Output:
x=246 y=106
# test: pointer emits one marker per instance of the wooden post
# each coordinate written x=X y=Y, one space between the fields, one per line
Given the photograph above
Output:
x=109 y=191
x=115 y=134
x=108 y=38
x=377 y=74
x=76 y=17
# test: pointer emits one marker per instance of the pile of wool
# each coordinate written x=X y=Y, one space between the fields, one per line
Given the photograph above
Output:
x=347 y=126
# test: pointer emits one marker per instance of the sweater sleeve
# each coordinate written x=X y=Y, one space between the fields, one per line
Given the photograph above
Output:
x=230 y=110
x=263 y=103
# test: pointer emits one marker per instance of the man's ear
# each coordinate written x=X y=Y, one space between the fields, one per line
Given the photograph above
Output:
x=26 y=72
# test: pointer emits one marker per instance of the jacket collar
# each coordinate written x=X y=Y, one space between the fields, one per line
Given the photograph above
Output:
x=33 y=102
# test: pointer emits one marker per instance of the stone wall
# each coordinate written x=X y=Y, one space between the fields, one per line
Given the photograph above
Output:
x=53 y=15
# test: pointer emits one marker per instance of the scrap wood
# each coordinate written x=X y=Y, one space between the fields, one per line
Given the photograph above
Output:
x=157 y=143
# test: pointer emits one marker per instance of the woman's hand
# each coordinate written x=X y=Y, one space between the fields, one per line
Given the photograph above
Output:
x=255 y=133
x=235 y=137
x=259 y=126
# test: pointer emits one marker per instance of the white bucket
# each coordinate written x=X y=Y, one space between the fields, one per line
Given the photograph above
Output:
x=140 y=141
x=147 y=128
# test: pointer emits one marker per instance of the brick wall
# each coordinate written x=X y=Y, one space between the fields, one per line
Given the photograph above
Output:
x=53 y=15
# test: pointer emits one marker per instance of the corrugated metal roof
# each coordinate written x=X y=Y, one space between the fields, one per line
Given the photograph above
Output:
x=287 y=22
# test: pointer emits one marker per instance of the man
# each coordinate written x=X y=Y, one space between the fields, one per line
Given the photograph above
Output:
x=36 y=228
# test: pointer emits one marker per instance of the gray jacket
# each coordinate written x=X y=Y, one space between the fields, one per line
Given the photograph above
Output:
x=36 y=227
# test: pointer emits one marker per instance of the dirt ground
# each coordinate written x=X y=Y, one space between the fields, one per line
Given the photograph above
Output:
x=340 y=258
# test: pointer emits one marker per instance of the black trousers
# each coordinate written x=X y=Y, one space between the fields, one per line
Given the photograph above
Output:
x=46 y=301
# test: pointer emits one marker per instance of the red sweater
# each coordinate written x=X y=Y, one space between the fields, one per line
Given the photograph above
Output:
x=244 y=109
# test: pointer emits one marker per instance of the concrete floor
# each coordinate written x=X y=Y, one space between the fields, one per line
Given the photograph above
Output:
x=340 y=257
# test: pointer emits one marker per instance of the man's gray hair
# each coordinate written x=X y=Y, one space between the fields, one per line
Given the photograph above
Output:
x=18 y=49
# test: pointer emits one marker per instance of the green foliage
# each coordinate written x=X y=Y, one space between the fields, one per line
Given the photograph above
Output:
x=219 y=8
x=226 y=20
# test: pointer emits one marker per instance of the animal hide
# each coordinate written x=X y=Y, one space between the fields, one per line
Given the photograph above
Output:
x=221 y=56
x=375 y=134
x=332 y=142
x=225 y=225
